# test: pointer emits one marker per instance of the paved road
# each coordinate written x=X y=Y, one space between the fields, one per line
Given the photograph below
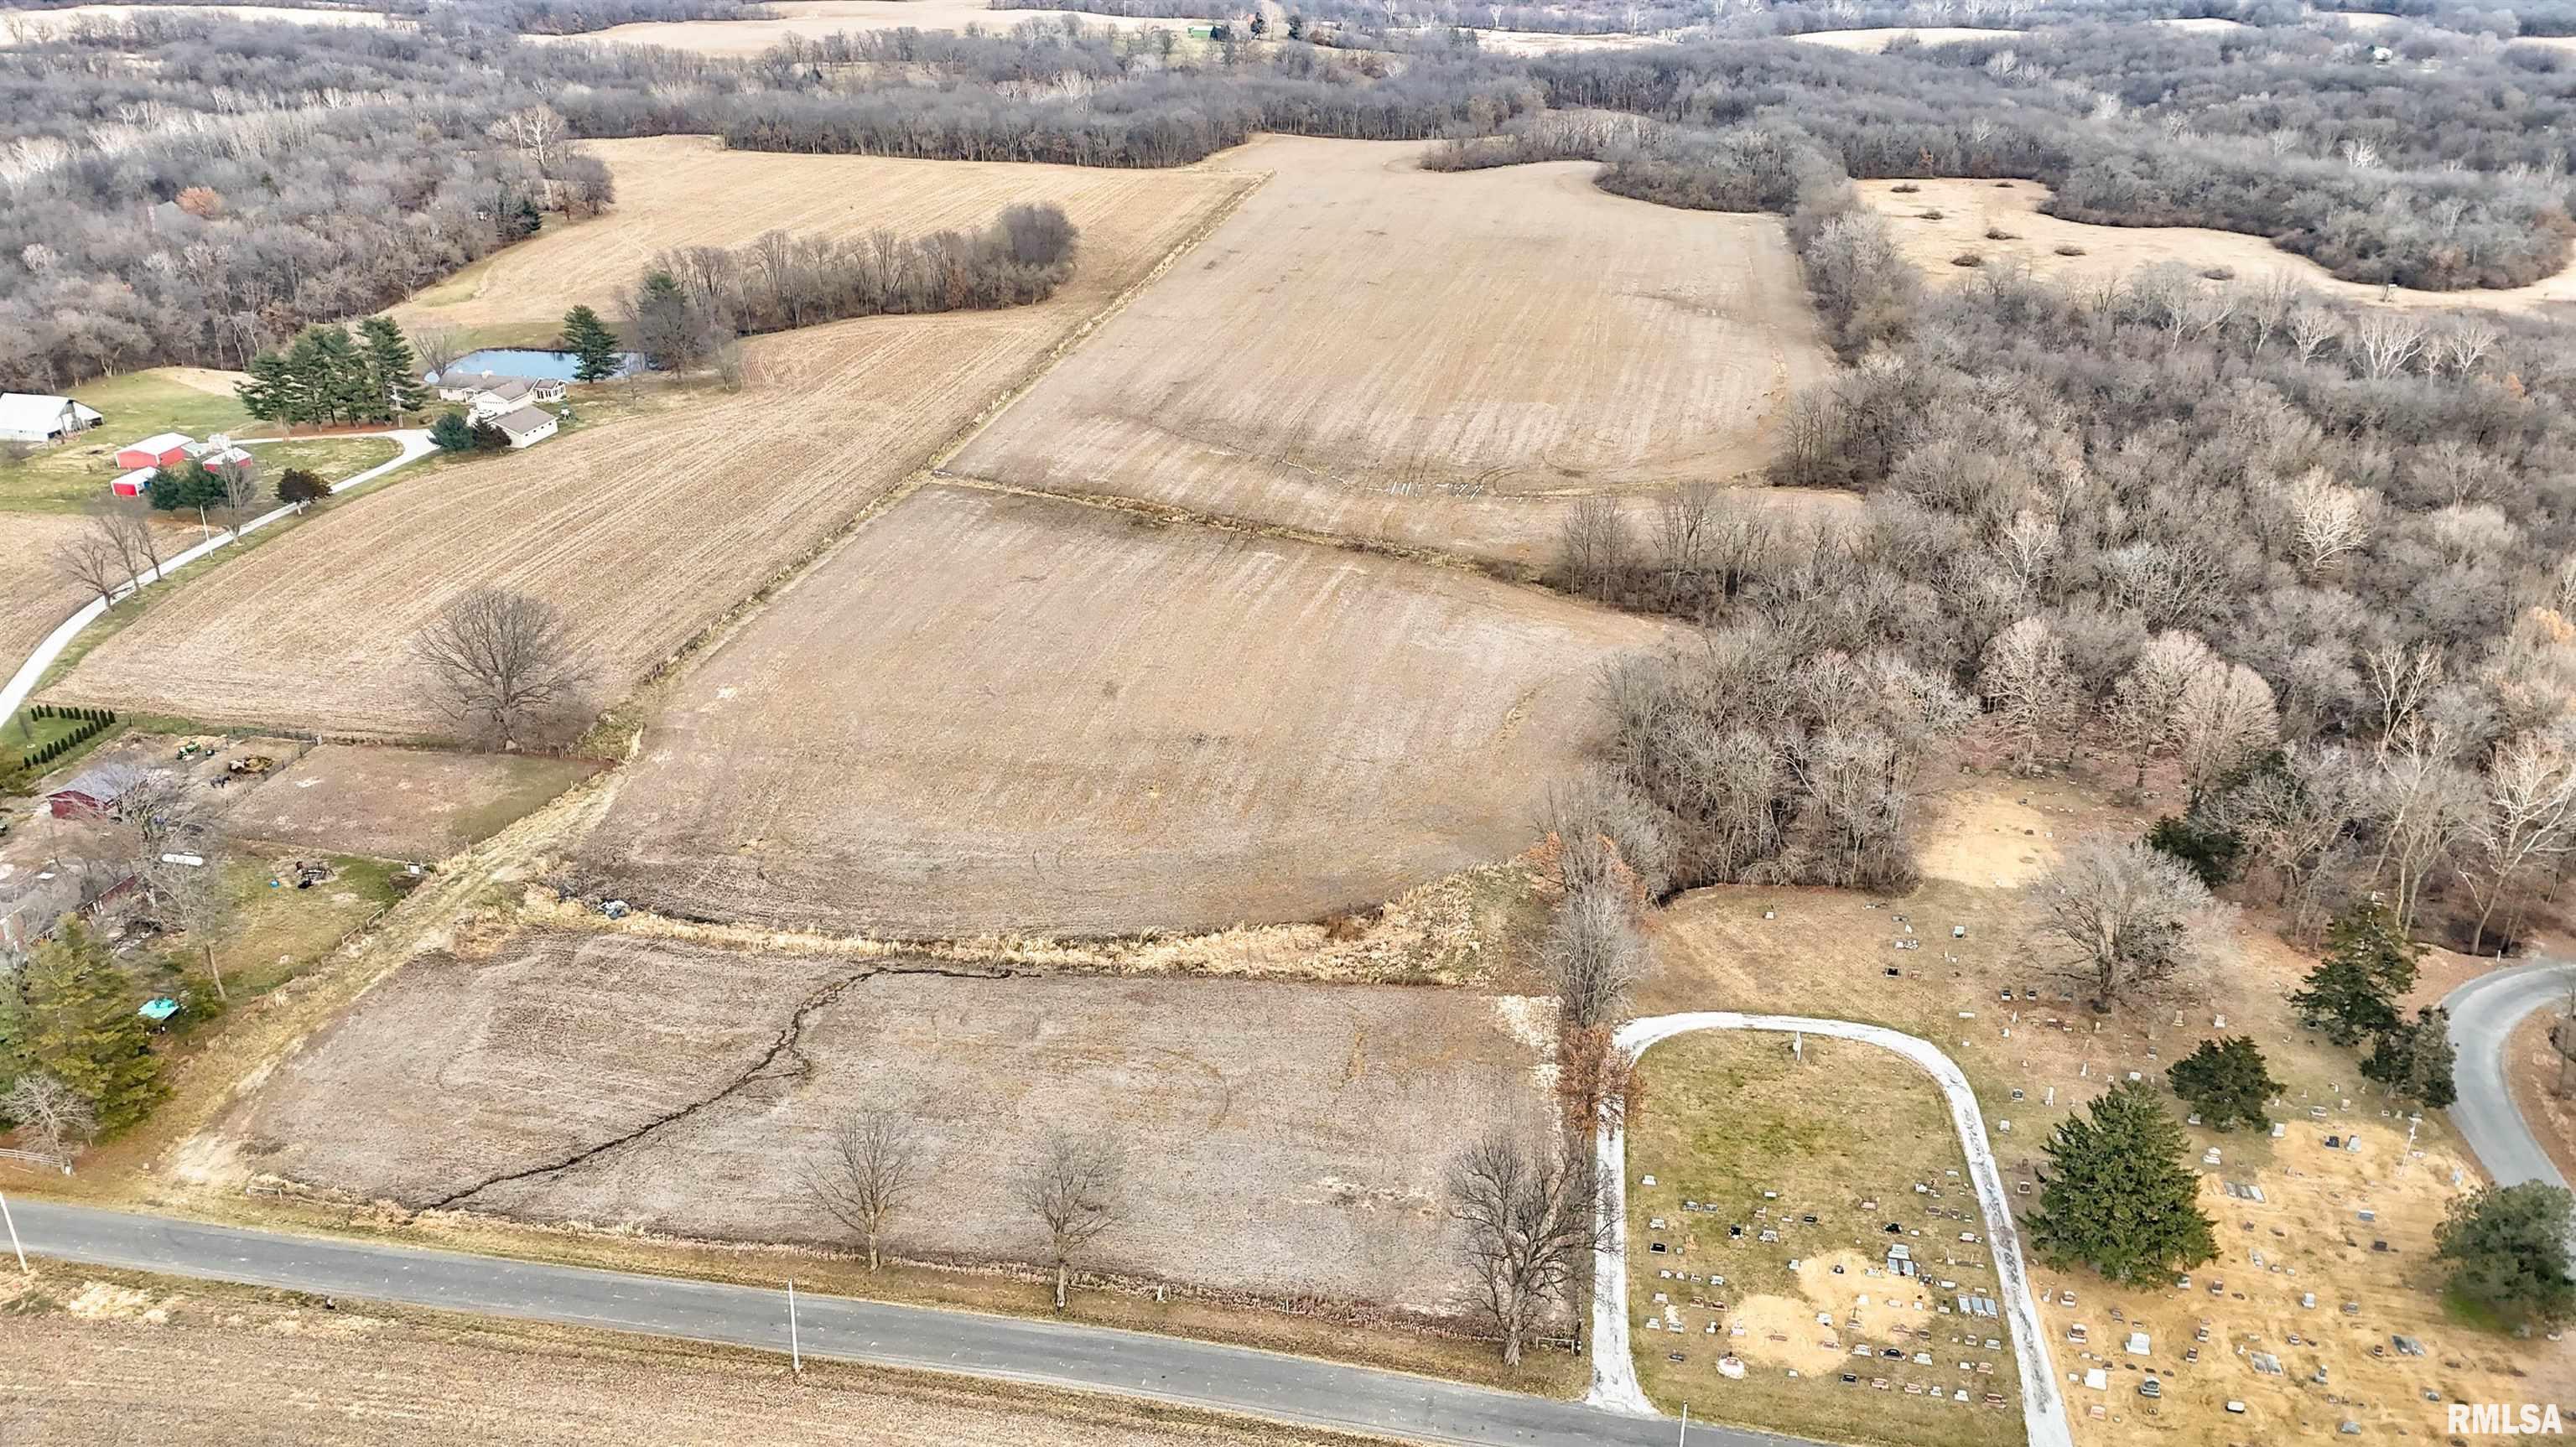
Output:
x=1614 y=1374
x=415 y=445
x=1235 y=1379
x=2483 y=1012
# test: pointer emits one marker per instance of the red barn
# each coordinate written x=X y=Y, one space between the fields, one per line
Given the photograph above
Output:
x=167 y=450
x=133 y=484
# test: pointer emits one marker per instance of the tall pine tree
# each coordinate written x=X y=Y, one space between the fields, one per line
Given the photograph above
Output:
x=392 y=369
x=2227 y=1082
x=83 y=1031
x=2416 y=1060
x=270 y=394
x=590 y=339
x=2370 y=964
x=2119 y=1196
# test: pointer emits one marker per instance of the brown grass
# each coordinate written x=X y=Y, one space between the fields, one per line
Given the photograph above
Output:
x=405 y=804
x=168 y=1360
x=646 y=532
x=1717 y=952
x=2534 y=1068
x=1966 y=214
x=993 y=713
x=1763 y=1142
x=1436 y=360
x=1288 y=1139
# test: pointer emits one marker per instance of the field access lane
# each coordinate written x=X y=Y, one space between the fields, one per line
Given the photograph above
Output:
x=1044 y=1353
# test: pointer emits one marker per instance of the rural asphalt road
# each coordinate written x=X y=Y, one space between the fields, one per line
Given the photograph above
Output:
x=415 y=445
x=1614 y=1370
x=2483 y=1013
x=1045 y=1353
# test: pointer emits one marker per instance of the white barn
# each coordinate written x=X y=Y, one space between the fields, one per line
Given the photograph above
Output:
x=32 y=417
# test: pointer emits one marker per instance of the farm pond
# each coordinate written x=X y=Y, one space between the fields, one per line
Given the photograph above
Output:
x=536 y=365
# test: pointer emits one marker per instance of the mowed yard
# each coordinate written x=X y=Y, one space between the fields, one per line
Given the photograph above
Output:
x=1439 y=360
x=1289 y=1139
x=643 y=532
x=992 y=712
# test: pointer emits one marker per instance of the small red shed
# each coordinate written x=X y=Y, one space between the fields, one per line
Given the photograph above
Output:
x=133 y=484
x=167 y=450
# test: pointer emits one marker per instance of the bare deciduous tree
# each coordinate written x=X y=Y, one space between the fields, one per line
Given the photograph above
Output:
x=1594 y=954
x=241 y=498
x=2226 y=720
x=2146 y=702
x=1595 y=543
x=2526 y=814
x=502 y=662
x=1607 y=835
x=1076 y=1187
x=2384 y=343
x=2299 y=820
x=2134 y=916
x=539 y=132
x=875 y=1159
x=437 y=345
x=2423 y=802
x=1531 y=1210
x=91 y=559
x=192 y=898
x=2401 y=680
x=2027 y=684
x=2312 y=329
x=2327 y=520
x=57 y=1114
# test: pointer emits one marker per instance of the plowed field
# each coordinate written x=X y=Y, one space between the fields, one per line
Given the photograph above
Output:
x=1287 y=1138
x=992 y=713
x=645 y=531
x=1441 y=360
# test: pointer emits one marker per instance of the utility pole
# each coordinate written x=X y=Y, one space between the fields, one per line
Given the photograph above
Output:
x=13 y=1234
x=795 y=1352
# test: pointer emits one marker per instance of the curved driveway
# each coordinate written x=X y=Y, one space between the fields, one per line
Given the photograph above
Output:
x=2484 y=1013
x=1614 y=1372
x=415 y=445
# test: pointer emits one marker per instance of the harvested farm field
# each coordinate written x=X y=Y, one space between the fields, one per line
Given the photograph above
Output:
x=28 y=26
x=646 y=530
x=676 y=191
x=1435 y=360
x=409 y=804
x=33 y=597
x=1876 y=38
x=996 y=713
x=815 y=19
x=1941 y=220
x=1297 y=1133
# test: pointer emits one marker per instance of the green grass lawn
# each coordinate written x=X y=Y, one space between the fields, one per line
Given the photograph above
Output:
x=136 y=405
x=333 y=458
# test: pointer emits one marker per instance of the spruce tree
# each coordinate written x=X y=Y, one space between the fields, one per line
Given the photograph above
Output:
x=2507 y=1251
x=590 y=339
x=2352 y=994
x=452 y=433
x=393 y=369
x=2226 y=1081
x=83 y=1031
x=349 y=388
x=269 y=395
x=2119 y=1196
x=2416 y=1060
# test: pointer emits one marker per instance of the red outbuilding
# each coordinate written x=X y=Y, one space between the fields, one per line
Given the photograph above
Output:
x=167 y=450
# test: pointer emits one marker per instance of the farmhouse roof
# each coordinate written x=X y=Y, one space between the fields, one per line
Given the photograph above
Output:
x=36 y=411
x=101 y=786
x=159 y=442
x=525 y=421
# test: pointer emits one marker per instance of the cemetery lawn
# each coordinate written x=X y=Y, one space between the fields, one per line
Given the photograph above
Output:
x=1764 y=1142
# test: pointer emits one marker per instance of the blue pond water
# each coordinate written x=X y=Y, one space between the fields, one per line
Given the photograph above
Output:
x=522 y=362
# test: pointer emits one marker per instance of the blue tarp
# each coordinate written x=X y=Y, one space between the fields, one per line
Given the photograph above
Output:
x=159 y=1010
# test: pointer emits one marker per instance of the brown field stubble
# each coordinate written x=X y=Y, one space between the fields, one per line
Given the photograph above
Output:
x=991 y=712
x=647 y=531
x=1437 y=360
x=1288 y=1139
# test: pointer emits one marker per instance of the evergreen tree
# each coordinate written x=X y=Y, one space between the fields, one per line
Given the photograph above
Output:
x=310 y=386
x=269 y=395
x=392 y=368
x=590 y=338
x=297 y=486
x=348 y=390
x=2226 y=1082
x=2118 y=1195
x=2352 y=994
x=189 y=485
x=2415 y=1060
x=488 y=437
x=452 y=433
x=668 y=330
x=83 y=1031
x=2507 y=1249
